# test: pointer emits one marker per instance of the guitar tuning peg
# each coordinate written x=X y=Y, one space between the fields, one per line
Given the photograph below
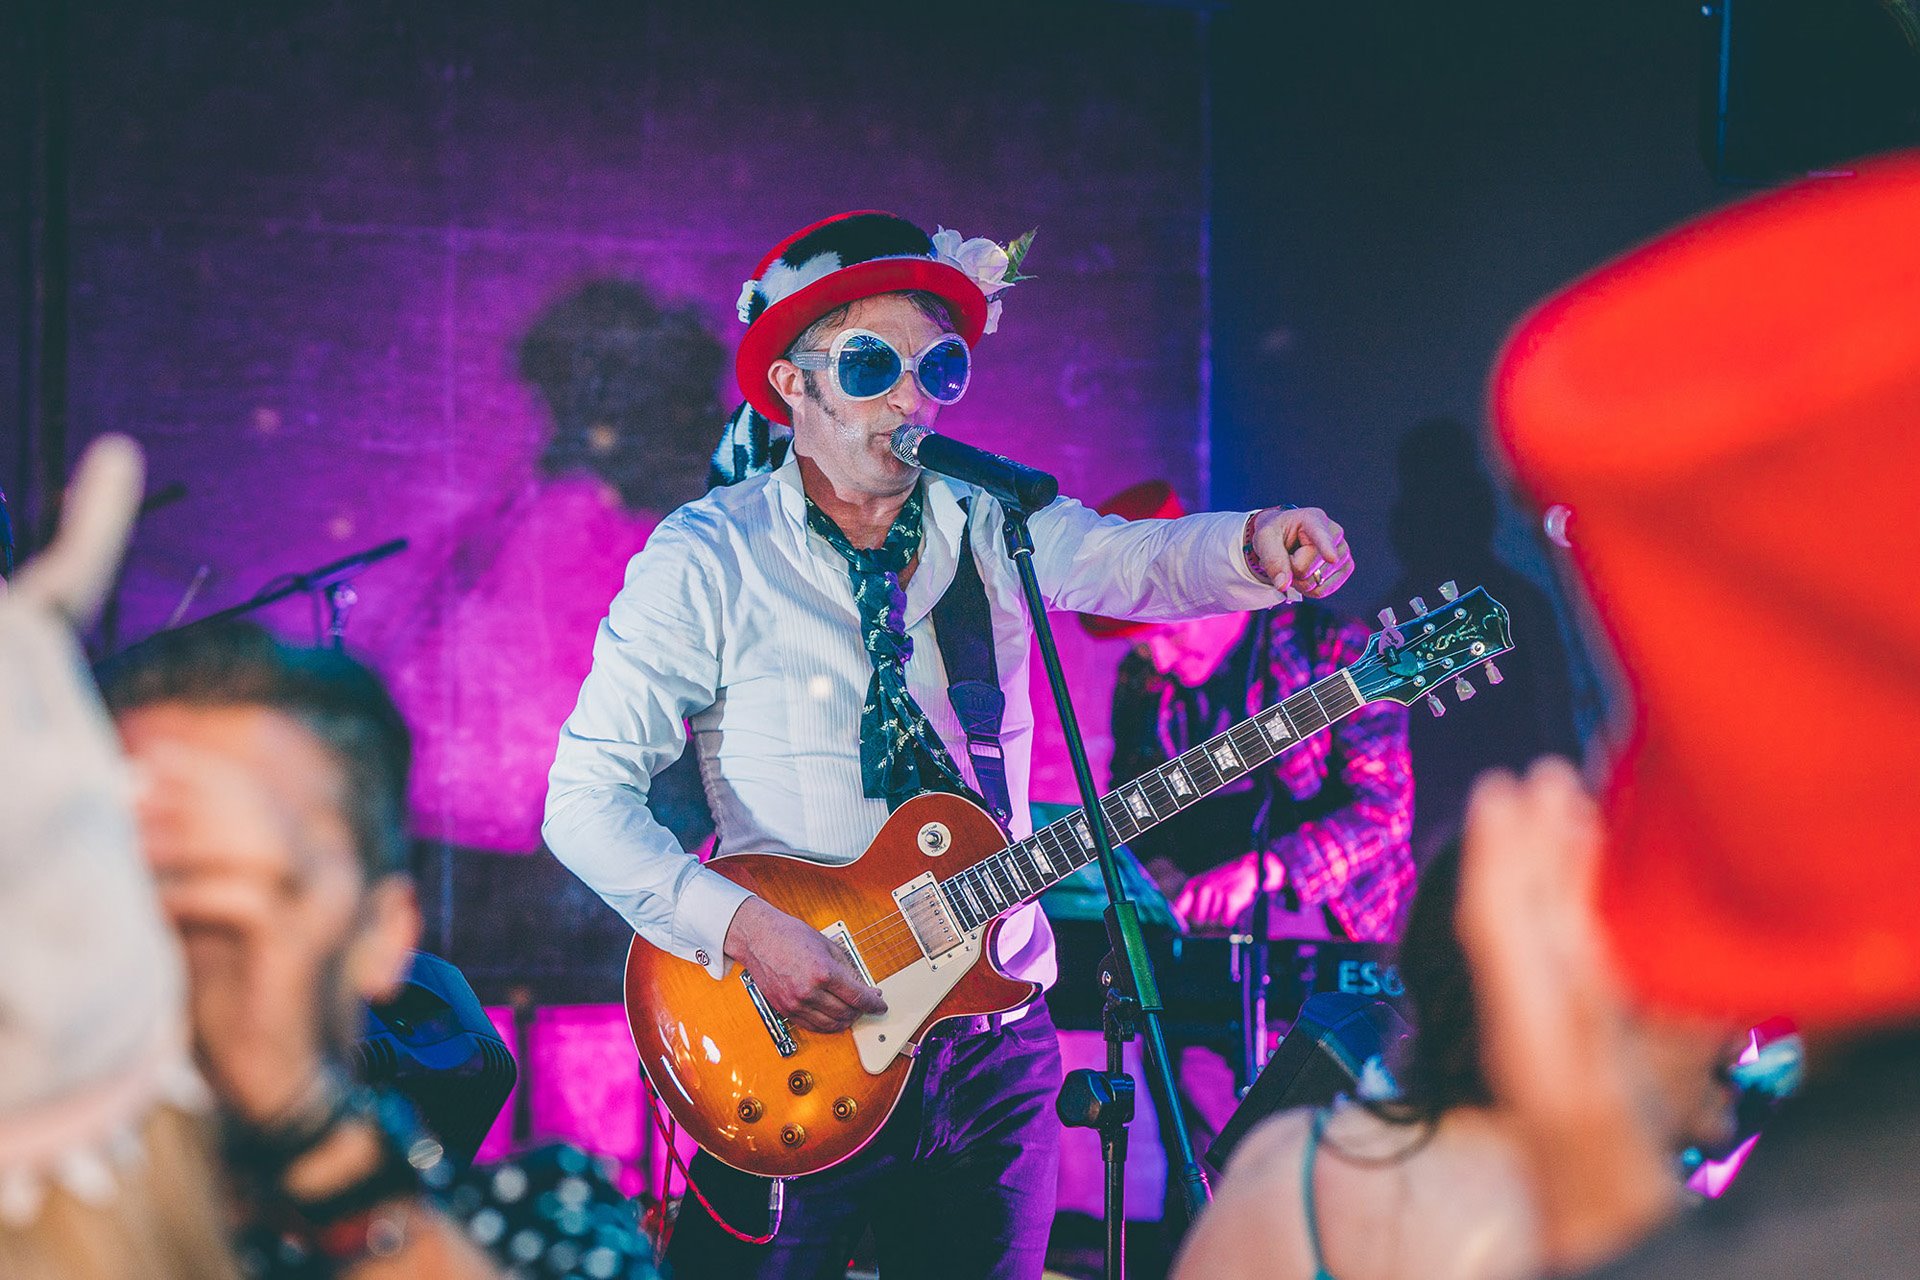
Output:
x=1493 y=674
x=1390 y=629
x=1449 y=591
x=1463 y=689
x=1419 y=604
x=1436 y=706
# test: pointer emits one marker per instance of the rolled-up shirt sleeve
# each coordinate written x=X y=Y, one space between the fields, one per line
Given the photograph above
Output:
x=656 y=661
x=1147 y=570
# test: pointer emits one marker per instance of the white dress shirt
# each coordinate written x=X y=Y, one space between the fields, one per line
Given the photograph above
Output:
x=738 y=622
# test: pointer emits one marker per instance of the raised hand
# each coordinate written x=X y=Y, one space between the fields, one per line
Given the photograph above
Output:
x=802 y=975
x=1556 y=1042
x=57 y=751
x=92 y=978
x=71 y=577
x=259 y=912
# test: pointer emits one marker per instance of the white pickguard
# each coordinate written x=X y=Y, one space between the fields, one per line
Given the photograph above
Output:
x=911 y=995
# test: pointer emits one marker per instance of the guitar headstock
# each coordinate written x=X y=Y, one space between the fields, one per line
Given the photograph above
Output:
x=1406 y=661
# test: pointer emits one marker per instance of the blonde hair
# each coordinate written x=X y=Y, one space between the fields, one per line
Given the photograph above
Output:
x=166 y=1219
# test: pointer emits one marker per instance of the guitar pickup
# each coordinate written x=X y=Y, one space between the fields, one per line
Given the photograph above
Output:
x=775 y=1024
x=926 y=914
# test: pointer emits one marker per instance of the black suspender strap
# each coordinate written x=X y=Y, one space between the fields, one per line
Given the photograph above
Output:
x=963 y=625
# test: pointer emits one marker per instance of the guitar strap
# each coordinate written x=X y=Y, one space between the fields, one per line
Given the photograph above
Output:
x=963 y=625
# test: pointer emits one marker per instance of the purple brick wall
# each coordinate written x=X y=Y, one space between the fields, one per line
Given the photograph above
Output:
x=308 y=240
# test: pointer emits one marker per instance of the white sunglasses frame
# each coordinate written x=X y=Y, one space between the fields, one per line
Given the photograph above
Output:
x=829 y=361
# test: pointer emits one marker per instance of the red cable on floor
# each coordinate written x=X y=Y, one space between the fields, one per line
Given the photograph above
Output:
x=776 y=1197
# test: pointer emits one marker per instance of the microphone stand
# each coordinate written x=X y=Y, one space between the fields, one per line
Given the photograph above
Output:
x=331 y=586
x=1133 y=1004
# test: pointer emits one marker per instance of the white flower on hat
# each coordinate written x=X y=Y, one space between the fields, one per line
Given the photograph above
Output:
x=989 y=265
x=745 y=305
x=979 y=259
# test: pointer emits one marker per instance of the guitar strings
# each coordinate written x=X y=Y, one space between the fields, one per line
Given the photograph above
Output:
x=889 y=928
x=1333 y=703
x=894 y=928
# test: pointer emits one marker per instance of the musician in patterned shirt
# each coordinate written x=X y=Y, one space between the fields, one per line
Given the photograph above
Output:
x=1338 y=806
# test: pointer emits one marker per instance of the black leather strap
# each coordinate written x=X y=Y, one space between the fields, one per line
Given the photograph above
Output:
x=963 y=625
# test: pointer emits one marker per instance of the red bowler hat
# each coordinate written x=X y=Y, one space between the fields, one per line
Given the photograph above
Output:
x=1734 y=412
x=836 y=261
x=1148 y=500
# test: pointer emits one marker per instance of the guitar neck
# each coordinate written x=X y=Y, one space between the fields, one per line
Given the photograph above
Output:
x=1025 y=869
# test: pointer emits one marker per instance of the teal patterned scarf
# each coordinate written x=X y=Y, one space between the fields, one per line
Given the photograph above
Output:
x=900 y=754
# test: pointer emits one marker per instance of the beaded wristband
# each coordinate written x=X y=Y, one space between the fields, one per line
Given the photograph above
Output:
x=1255 y=565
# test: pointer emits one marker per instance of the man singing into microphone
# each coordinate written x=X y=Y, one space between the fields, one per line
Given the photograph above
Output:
x=783 y=625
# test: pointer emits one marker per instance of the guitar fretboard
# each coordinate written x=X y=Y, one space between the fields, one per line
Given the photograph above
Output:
x=1027 y=867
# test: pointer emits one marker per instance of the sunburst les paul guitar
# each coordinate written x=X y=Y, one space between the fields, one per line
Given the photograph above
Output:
x=917 y=912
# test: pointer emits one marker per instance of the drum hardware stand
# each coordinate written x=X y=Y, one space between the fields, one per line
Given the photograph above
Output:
x=1103 y=1101
x=1137 y=1005
x=1256 y=974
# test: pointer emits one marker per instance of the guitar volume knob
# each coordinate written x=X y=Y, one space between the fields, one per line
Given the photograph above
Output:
x=844 y=1108
x=751 y=1109
x=800 y=1081
x=793 y=1135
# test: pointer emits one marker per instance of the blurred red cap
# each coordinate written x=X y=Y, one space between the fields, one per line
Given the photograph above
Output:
x=1734 y=411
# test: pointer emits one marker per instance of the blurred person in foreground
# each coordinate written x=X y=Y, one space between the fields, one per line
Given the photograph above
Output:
x=274 y=812
x=1431 y=1184
x=1732 y=413
x=107 y=1168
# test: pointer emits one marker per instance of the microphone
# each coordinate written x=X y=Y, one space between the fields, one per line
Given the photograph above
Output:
x=1557 y=524
x=1015 y=484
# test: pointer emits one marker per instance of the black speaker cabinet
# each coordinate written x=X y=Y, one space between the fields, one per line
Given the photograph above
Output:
x=434 y=1043
x=1321 y=1058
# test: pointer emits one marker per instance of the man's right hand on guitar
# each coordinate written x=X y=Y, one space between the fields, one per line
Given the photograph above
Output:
x=802 y=975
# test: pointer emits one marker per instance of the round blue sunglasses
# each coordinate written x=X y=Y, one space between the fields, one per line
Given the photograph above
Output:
x=866 y=366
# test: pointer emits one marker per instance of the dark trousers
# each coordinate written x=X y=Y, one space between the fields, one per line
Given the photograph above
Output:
x=959 y=1183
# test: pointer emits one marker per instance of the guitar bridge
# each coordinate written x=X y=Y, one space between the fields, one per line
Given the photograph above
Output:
x=842 y=937
x=776 y=1025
